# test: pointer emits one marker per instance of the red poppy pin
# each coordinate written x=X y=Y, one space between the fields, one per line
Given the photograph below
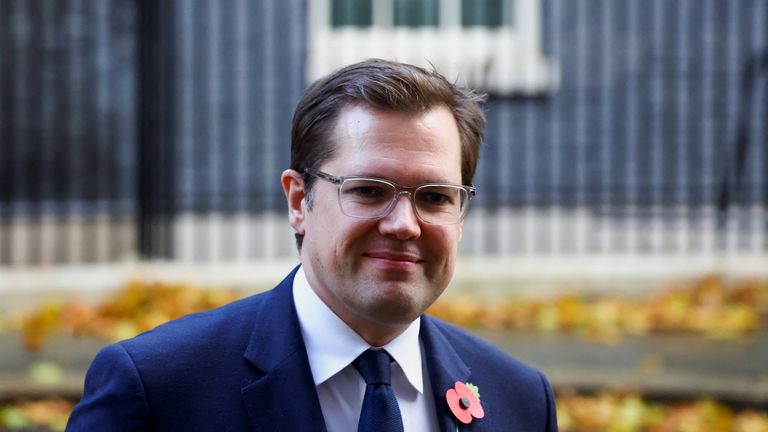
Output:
x=464 y=402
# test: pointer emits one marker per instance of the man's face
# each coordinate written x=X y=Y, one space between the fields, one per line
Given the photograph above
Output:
x=383 y=273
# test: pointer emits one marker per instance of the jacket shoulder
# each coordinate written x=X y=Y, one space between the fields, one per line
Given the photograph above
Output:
x=202 y=330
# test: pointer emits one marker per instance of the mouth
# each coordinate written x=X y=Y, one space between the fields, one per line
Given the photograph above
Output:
x=394 y=259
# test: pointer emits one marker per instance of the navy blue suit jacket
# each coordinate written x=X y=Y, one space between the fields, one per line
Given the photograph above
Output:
x=244 y=367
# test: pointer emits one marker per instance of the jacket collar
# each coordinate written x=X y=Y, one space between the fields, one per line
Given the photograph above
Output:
x=445 y=368
x=283 y=395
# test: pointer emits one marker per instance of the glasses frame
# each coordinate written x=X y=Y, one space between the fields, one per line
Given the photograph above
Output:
x=399 y=191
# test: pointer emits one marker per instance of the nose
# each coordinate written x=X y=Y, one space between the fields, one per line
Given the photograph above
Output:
x=401 y=222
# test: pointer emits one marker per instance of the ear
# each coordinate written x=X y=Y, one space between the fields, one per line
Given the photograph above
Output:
x=293 y=186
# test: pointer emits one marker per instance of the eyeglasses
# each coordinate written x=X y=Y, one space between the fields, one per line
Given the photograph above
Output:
x=374 y=198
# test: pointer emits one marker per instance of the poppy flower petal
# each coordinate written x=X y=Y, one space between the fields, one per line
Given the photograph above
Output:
x=463 y=403
x=454 y=403
x=477 y=410
x=462 y=389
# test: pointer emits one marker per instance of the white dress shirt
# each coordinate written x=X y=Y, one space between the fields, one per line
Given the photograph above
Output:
x=332 y=346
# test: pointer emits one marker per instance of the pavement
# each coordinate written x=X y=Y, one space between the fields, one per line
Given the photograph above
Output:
x=659 y=365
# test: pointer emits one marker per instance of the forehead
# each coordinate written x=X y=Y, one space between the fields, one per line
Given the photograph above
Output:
x=385 y=143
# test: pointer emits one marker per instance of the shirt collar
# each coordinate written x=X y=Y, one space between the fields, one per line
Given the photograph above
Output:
x=332 y=345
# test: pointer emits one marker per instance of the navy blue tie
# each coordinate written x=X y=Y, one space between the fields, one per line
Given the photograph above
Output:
x=380 y=411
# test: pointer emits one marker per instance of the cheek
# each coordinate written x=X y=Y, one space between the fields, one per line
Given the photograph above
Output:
x=451 y=235
x=347 y=237
x=444 y=243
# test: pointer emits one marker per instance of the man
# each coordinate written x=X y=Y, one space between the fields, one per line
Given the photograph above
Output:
x=382 y=160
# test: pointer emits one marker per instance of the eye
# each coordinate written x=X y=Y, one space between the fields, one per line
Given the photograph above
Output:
x=367 y=191
x=436 y=197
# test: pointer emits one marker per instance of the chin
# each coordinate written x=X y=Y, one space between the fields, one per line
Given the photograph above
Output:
x=398 y=311
x=399 y=319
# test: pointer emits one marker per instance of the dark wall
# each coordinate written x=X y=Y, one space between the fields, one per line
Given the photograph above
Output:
x=195 y=97
x=648 y=112
x=68 y=107
x=239 y=75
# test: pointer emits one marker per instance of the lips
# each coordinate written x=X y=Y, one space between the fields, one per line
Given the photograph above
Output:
x=403 y=257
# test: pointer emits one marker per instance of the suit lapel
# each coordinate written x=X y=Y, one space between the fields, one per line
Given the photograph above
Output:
x=283 y=395
x=445 y=368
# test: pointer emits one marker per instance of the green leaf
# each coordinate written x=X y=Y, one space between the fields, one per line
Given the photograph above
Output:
x=475 y=390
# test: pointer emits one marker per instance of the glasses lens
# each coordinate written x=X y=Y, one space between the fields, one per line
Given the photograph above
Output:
x=440 y=204
x=365 y=198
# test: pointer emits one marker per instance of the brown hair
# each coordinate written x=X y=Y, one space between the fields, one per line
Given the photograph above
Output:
x=384 y=85
x=387 y=86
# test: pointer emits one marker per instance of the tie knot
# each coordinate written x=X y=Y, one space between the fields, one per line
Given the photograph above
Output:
x=373 y=365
